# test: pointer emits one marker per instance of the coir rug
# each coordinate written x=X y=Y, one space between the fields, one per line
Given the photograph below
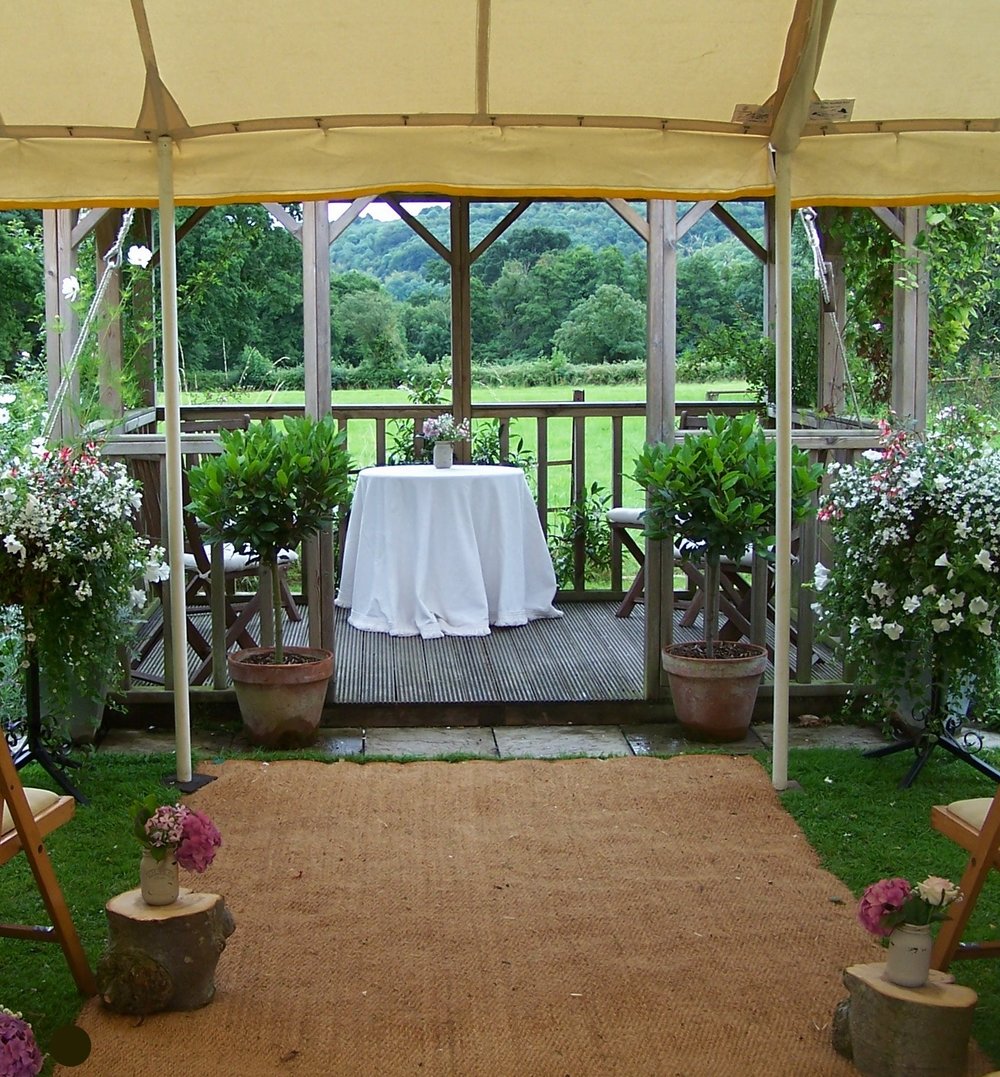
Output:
x=571 y=918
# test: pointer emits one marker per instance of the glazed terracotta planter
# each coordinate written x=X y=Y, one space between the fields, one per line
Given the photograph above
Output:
x=281 y=705
x=714 y=697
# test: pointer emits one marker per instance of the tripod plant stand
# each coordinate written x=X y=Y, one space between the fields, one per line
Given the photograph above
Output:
x=32 y=747
x=942 y=728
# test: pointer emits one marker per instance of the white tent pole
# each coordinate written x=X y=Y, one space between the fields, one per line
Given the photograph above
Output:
x=783 y=422
x=172 y=416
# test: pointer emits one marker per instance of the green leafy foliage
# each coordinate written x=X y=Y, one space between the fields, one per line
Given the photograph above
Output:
x=584 y=521
x=271 y=487
x=609 y=326
x=715 y=492
x=22 y=311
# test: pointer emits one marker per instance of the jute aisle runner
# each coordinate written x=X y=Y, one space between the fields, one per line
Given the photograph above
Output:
x=517 y=919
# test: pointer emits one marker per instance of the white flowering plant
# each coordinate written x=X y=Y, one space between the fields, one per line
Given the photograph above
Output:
x=71 y=562
x=914 y=591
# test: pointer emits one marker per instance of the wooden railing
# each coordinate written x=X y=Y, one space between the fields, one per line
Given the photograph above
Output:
x=572 y=445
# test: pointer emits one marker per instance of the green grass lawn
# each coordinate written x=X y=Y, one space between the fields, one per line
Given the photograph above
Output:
x=862 y=826
x=480 y=394
x=865 y=828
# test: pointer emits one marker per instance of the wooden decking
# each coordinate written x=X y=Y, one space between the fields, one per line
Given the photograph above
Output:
x=588 y=661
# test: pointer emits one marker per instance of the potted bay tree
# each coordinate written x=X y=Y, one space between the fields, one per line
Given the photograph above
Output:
x=713 y=494
x=273 y=486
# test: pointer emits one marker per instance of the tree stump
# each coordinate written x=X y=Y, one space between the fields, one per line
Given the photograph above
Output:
x=892 y=1031
x=162 y=957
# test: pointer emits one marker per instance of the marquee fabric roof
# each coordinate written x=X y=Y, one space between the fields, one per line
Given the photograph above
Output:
x=896 y=101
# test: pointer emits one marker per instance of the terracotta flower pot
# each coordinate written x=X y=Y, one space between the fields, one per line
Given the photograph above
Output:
x=281 y=705
x=714 y=697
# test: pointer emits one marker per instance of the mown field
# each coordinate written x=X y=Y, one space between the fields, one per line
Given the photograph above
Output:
x=361 y=434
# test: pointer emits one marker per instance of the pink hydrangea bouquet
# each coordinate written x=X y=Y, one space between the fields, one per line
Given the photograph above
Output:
x=174 y=829
x=891 y=902
x=444 y=428
x=19 y=1053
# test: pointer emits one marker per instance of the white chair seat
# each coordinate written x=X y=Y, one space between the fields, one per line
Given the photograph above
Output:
x=234 y=562
x=38 y=801
x=973 y=812
x=625 y=517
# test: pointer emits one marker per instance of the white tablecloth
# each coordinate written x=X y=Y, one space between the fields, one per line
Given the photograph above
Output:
x=444 y=552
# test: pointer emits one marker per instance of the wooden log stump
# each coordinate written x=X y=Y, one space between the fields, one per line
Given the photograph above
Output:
x=892 y=1031
x=162 y=957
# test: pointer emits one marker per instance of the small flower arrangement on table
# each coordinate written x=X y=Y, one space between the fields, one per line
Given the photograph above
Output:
x=184 y=833
x=891 y=902
x=444 y=428
x=19 y=1053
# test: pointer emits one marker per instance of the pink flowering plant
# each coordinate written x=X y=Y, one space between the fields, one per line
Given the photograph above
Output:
x=176 y=830
x=914 y=592
x=891 y=902
x=444 y=428
x=19 y=1053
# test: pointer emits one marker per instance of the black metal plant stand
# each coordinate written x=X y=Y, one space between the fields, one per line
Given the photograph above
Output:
x=33 y=748
x=938 y=732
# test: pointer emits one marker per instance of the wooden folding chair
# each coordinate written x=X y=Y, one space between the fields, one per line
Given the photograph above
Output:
x=734 y=598
x=975 y=825
x=29 y=815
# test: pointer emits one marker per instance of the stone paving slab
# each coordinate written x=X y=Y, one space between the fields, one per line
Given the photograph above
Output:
x=553 y=742
x=153 y=741
x=825 y=736
x=341 y=742
x=429 y=743
x=522 y=742
x=667 y=739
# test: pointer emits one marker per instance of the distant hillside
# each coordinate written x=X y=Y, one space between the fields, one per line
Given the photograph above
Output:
x=394 y=255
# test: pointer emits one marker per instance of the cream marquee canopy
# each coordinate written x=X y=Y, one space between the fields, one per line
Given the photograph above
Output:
x=896 y=100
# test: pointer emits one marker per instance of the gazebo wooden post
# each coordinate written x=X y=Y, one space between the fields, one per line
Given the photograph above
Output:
x=910 y=321
x=832 y=375
x=61 y=324
x=661 y=374
x=318 y=570
x=910 y=340
x=109 y=324
x=461 y=316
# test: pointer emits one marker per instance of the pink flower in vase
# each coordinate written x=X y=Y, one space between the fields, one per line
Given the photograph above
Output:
x=201 y=838
x=881 y=903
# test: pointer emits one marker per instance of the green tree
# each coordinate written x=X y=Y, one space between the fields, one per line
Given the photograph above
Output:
x=607 y=327
x=22 y=305
x=426 y=323
x=239 y=284
x=551 y=289
x=525 y=245
x=703 y=300
x=366 y=333
x=963 y=246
